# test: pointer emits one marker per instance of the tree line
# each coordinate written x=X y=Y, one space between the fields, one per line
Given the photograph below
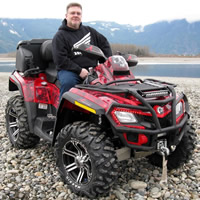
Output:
x=139 y=51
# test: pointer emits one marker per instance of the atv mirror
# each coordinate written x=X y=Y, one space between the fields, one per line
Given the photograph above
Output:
x=131 y=59
x=90 y=51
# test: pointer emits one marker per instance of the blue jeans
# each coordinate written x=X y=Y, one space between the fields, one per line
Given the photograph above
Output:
x=67 y=80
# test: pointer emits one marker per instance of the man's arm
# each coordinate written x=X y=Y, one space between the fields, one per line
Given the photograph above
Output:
x=105 y=46
x=103 y=43
x=61 y=55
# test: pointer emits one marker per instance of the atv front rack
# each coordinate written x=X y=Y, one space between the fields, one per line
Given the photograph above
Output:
x=140 y=91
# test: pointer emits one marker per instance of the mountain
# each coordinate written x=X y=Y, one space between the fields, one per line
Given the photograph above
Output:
x=14 y=30
x=175 y=37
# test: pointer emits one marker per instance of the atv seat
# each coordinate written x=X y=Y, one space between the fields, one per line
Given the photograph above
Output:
x=46 y=52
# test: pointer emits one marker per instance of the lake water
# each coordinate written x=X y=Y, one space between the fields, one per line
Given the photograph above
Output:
x=7 y=66
x=169 y=70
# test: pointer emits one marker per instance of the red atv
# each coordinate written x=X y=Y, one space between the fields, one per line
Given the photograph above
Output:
x=111 y=117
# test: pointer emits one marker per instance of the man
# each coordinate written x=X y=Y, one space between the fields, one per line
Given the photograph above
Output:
x=72 y=67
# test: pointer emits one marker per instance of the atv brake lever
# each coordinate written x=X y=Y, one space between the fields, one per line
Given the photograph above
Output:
x=85 y=81
x=90 y=73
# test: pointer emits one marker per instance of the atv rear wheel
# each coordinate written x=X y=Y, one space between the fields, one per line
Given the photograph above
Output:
x=17 y=124
x=182 y=153
x=86 y=159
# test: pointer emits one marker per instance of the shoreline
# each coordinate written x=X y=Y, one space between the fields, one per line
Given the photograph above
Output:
x=144 y=60
x=168 y=60
x=9 y=59
x=7 y=74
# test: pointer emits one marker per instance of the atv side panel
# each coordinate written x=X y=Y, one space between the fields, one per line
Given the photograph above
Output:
x=73 y=102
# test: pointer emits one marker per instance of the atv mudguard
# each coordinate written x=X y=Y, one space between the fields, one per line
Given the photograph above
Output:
x=77 y=100
x=14 y=85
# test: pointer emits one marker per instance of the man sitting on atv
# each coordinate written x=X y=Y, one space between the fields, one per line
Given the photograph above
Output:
x=72 y=67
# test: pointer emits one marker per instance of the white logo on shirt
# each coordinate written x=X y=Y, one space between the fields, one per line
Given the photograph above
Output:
x=85 y=40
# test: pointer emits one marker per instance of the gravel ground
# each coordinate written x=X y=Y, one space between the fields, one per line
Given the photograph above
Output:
x=31 y=174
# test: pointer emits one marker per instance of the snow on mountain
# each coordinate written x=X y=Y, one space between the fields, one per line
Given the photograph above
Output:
x=174 y=37
x=114 y=29
x=4 y=23
x=14 y=32
x=139 y=30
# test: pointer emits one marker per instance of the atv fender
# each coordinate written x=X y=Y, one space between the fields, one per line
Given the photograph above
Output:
x=79 y=101
x=15 y=85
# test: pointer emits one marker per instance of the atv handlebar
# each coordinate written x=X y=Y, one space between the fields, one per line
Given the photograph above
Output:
x=96 y=53
x=90 y=51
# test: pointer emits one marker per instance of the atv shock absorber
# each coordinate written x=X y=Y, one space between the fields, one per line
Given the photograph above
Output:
x=164 y=151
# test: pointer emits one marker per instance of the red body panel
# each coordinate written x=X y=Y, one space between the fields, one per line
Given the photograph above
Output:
x=38 y=90
x=111 y=73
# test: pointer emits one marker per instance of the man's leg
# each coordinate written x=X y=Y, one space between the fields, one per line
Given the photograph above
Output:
x=67 y=80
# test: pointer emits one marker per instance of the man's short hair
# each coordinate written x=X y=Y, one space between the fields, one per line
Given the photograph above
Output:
x=73 y=5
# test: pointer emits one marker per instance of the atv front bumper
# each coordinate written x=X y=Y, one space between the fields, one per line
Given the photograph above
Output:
x=146 y=140
x=149 y=130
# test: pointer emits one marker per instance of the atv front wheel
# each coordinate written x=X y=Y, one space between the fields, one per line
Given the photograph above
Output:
x=86 y=159
x=17 y=124
x=182 y=153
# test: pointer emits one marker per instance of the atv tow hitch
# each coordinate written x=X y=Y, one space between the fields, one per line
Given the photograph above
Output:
x=164 y=151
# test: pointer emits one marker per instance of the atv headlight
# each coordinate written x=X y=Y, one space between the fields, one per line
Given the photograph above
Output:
x=125 y=117
x=179 y=108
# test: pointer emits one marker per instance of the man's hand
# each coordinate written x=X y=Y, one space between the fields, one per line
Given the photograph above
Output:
x=84 y=73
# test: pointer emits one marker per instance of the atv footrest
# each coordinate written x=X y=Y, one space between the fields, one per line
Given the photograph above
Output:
x=44 y=127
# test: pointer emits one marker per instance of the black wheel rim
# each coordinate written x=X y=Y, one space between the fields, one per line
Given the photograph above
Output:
x=13 y=124
x=77 y=162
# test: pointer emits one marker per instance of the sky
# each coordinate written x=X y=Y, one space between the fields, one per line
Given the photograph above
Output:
x=134 y=12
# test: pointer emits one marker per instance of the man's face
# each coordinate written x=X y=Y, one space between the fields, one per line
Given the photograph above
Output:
x=73 y=17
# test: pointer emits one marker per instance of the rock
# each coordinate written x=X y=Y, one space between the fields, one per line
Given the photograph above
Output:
x=167 y=195
x=156 y=172
x=62 y=194
x=198 y=131
x=13 y=171
x=10 y=185
x=176 y=180
x=119 y=195
x=155 y=192
x=197 y=173
x=38 y=173
x=137 y=184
